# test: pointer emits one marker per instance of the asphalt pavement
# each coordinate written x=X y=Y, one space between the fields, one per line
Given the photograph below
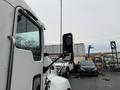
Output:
x=106 y=81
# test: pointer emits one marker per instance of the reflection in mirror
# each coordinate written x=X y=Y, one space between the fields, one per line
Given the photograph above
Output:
x=68 y=45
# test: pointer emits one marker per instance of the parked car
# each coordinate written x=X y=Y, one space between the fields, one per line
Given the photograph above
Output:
x=114 y=65
x=88 y=68
x=99 y=64
x=64 y=67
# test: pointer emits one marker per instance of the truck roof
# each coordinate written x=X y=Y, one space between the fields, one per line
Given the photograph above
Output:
x=23 y=4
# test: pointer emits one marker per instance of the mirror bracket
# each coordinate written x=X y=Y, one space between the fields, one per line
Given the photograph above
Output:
x=45 y=69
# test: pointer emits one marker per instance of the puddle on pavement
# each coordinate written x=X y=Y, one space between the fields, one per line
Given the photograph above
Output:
x=108 y=85
x=106 y=79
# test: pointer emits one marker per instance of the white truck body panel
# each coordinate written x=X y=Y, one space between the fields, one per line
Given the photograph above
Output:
x=24 y=67
x=15 y=3
x=23 y=73
x=6 y=21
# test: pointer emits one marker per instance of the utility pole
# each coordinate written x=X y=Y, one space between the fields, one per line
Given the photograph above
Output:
x=114 y=54
x=60 y=26
x=89 y=48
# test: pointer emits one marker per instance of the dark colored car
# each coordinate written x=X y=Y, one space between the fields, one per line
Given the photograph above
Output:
x=88 y=68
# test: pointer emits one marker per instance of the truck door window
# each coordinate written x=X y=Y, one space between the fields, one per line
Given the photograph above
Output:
x=27 y=36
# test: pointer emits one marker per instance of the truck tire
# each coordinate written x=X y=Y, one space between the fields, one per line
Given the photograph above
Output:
x=67 y=73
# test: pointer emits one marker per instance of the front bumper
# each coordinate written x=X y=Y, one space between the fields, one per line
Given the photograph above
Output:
x=82 y=72
x=60 y=70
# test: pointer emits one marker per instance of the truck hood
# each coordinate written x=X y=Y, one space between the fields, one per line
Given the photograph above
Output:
x=58 y=83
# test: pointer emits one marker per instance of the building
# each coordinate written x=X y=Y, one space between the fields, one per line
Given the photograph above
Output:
x=79 y=50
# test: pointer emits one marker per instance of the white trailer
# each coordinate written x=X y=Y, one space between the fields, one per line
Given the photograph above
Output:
x=21 y=47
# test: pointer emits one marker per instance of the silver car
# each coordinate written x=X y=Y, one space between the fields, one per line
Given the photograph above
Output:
x=88 y=68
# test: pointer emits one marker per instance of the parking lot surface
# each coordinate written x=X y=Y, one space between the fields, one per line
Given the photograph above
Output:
x=106 y=81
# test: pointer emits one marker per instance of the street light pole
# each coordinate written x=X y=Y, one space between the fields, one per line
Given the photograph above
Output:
x=60 y=26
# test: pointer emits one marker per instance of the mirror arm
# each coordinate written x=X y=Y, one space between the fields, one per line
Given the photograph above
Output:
x=46 y=68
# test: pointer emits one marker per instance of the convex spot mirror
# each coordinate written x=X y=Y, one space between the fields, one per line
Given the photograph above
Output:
x=68 y=45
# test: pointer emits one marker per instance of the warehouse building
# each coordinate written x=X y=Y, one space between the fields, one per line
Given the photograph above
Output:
x=79 y=51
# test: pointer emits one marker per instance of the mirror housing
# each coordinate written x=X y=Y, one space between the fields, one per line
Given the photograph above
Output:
x=67 y=51
x=68 y=45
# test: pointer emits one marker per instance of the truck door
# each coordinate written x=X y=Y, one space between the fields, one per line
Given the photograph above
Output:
x=26 y=69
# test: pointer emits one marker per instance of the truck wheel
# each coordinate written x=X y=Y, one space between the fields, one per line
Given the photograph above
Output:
x=67 y=73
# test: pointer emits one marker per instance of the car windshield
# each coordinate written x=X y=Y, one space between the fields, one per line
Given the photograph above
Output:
x=87 y=63
x=98 y=61
x=60 y=61
x=66 y=60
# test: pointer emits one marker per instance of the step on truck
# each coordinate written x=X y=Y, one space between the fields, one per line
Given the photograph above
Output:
x=22 y=49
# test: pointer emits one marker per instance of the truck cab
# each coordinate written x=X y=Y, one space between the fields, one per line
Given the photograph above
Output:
x=22 y=47
x=21 y=42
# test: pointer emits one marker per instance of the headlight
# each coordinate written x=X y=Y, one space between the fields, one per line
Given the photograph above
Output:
x=82 y=69
x=94 y=69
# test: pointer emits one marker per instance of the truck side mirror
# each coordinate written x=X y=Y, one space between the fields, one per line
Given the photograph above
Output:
x=68 y=45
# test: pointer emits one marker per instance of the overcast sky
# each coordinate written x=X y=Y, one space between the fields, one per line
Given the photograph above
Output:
x=95 y=22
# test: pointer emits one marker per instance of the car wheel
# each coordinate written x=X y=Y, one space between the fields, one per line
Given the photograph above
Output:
x=67 y=73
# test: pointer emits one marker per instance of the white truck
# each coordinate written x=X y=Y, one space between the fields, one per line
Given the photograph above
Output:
x=22 y=49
